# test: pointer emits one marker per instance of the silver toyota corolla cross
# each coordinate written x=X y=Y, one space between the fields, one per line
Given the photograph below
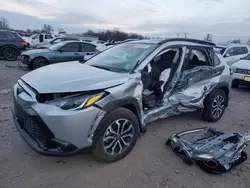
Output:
x=107 y=101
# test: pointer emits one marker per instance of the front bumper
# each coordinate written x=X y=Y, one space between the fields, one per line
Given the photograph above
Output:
x=239 y=79
x=25 y=59
x=51 y=131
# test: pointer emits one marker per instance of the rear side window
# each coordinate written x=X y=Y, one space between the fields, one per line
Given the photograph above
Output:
x=216 y=60
x=244 y=50
x=2 y=35
x=87 y=47
x=71 y=47
x=240 y=50
x=6 y=35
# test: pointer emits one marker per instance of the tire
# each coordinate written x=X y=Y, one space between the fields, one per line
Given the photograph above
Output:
x=104 y=137
x=39 y=62
x=235 y=85
x=10 y=54
x=210 y=101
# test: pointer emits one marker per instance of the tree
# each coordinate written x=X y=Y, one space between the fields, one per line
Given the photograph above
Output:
x=4 y=24
x=236 y=41
x=61 y=31
x=47 y=28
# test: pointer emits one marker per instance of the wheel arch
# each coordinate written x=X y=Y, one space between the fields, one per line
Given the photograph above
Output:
x=8 y=46
x=224 y=86
x=129 y=103
x=40 y=57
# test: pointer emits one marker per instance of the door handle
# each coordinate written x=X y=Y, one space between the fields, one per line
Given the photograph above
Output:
x=89 y=53
x=76 y=54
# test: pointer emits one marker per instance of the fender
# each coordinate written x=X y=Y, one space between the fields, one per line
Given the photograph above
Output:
x=130 y=103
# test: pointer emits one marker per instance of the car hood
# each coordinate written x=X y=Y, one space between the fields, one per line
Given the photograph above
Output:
x=36 y=51
x=72 y=77
x=242 y=64
x=43 y=46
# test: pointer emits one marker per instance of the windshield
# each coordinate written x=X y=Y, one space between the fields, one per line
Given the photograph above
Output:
x=57 y=46
x=121 y=58
x=221 y=50
x=248 y=57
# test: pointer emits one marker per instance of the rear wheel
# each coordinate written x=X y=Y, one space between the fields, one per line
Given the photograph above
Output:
x=39 y=62
x=116 y=135
x=214 y=106
x=10 y=54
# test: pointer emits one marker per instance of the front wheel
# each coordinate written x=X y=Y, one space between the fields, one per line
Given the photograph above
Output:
x=214 y=106
x=38 y=62
x=116 y=135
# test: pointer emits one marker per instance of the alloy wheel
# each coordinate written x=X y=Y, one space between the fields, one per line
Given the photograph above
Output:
x=218 y=106
x=9 y=54
x=118 y=136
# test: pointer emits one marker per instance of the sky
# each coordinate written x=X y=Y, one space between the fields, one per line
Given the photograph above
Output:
x=222 y=18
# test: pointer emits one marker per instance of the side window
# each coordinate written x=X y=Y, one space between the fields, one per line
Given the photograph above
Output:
x=231 y=52
x=48 y=37
x=244 y=50
x=195 y=59
x=3 y=35
x=71 y=47
x=87 y=47
x=216 y=60
x=57 y=41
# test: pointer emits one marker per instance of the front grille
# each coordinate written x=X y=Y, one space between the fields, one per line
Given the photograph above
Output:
x=33 y=125
x=243 y=71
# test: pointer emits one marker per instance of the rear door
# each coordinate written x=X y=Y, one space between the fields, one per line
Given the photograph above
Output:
x=197 y=73
x=70 y=52
x=87 y=50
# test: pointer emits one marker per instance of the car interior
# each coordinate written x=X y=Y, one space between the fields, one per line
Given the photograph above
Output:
x=157 y=75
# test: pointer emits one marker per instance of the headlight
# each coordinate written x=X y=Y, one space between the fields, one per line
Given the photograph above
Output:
x=234 y=69
x=77 y=102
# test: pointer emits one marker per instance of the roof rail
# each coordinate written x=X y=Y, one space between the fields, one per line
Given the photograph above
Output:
x=203 y=42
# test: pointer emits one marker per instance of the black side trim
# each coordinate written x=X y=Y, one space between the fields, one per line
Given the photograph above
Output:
x=223 y=86
x=130 y=101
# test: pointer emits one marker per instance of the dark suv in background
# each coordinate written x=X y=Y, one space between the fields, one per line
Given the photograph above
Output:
x=11 y=45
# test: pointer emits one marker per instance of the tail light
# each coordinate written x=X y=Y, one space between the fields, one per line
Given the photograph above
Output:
x=24 y=44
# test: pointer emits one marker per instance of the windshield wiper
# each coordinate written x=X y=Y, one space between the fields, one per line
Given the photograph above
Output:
x=101 y=67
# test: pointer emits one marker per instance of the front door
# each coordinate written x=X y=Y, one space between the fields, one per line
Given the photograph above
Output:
x=69 y=52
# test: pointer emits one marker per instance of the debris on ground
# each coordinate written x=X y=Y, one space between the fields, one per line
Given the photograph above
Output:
x=212 y=150
x=5 y=91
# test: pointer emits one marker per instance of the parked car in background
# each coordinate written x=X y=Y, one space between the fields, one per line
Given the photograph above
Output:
x=60 y=52
x=39 y=39
x=107 y=101
x=234 y=52
x=11 y=45
x=57 y=40
x=241 y=72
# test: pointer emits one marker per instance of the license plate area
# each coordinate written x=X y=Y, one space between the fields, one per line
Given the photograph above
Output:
x=247 y=78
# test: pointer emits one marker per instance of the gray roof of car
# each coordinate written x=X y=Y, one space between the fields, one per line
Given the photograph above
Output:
x=173 y=41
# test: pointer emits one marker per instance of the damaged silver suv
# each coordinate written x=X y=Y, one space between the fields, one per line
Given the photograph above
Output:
x=107 y=101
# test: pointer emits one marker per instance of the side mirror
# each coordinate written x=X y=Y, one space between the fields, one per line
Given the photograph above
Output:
x=85 y=58
x=61 y=50
x=227 y=55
